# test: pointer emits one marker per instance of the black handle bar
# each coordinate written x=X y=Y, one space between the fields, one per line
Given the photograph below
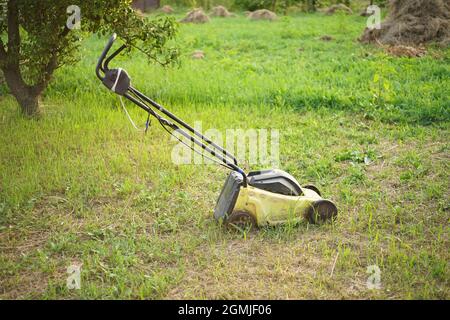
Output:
x=141 y=100
x=103 y=56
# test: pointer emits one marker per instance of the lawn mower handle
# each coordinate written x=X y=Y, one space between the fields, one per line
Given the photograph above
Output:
x=100 y=65
x=118 y=81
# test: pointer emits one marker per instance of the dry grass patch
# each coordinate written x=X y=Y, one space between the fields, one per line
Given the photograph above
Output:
x=167 y=9
x=221 y=11
x=262 y=14
x=337 y=8
x=413 y=23
x=195 y=16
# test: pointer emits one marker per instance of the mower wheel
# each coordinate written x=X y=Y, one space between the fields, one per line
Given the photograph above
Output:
x=321 y=211
x=313 y=188
x=240 y=220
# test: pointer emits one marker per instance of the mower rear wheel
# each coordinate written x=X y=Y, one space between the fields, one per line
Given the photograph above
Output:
x=240 y=220
x=321 y=211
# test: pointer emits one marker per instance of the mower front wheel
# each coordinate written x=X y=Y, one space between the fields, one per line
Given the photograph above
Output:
x=321 y=211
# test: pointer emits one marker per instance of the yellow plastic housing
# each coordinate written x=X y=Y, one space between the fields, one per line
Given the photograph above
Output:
x=270 y=208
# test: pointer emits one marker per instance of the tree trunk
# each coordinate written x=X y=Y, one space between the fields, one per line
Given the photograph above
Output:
x=27 y=97
x=30 y=105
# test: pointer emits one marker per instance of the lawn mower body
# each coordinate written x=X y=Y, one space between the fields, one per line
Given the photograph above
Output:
x=268 y=202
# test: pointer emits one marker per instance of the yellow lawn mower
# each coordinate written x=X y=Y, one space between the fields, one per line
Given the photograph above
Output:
x=259 y=198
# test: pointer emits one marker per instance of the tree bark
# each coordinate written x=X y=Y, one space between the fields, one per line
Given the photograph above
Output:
x=26 y=96
x=30 y=105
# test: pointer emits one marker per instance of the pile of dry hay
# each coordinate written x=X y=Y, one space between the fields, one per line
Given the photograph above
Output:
x=221 y=11
x=167 y=9
x=262 y=14
x=338 y=7
x=413 y=22
x=196 y=16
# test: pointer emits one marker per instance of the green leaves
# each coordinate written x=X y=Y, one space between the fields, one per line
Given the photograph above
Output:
x=149 y=36
x=47 y=42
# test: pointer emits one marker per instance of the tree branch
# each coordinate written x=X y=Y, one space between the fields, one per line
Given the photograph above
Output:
x=46 y=75
x=51 y=66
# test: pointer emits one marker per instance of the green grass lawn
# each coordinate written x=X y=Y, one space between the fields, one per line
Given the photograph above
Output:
x=81 y=186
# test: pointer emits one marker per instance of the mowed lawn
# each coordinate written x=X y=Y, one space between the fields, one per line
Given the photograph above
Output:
x=81 y=186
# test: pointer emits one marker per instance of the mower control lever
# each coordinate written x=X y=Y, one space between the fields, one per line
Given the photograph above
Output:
x=100 y=65
x=116 y=80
